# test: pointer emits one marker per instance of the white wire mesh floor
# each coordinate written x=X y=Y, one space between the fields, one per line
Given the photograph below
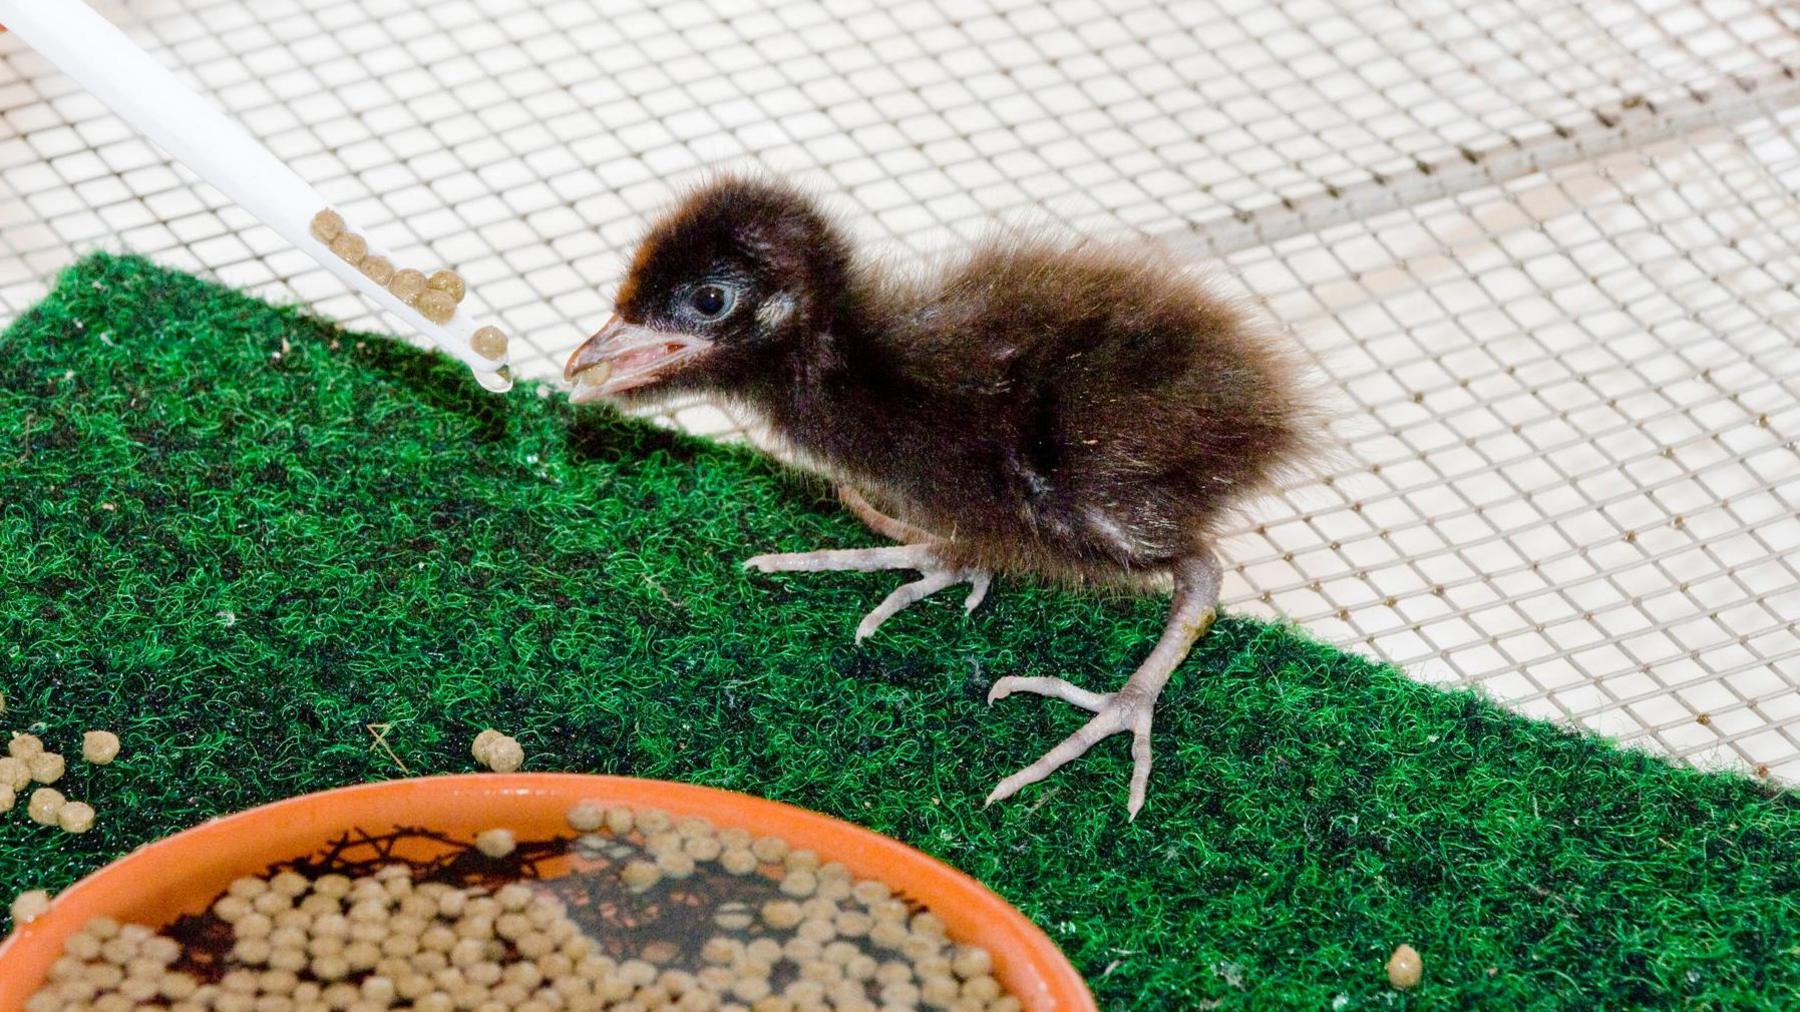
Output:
x=1545 y=250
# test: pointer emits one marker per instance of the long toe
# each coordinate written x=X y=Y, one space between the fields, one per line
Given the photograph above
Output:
x=1140 y=770
x=1103 y=724
x=1057 y=688
x=903 y=597
x=864 y=560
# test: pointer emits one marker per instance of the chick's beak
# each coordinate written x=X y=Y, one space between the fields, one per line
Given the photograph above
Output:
x=623 y=356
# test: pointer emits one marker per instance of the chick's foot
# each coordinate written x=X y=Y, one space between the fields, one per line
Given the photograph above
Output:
x=1130 y=709
x=935 y=575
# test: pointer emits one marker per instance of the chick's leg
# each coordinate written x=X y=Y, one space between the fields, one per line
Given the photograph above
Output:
x=917 y=554
x=1196 y=598
x=879 y=522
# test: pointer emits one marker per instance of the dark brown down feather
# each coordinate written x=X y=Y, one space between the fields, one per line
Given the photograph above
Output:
x=1073 y=410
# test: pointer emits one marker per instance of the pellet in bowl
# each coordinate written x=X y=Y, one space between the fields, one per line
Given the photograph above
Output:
x=626 y=926
x=496 y=842
x=586 y=816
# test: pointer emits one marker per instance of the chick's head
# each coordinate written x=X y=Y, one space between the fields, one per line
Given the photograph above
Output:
x=738 y=273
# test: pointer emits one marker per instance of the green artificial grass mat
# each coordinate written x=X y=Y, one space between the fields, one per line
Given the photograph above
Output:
x=238 y=537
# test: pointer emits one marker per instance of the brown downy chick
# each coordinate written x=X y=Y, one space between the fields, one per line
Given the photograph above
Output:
x=1076 y=412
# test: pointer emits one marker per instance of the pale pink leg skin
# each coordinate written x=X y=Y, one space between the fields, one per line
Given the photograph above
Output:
x=879 y=522
x=1191 y=614
x=917 y=554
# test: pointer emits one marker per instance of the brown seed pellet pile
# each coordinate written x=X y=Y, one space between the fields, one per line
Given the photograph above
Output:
x=435 y=297
x=803 y=935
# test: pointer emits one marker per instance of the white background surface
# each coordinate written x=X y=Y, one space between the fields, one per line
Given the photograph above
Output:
x=1544 y=252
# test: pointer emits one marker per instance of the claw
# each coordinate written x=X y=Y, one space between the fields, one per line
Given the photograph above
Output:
x=978 y=588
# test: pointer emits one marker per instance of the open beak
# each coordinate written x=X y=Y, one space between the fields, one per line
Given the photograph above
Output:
x=623 y=356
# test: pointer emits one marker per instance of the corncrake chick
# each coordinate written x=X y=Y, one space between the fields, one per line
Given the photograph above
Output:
x=1077 y=412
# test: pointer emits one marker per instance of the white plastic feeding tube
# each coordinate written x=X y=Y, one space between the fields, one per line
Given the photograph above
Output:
x=140 y=91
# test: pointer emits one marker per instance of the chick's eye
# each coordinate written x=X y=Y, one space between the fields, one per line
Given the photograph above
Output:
x=711 y=301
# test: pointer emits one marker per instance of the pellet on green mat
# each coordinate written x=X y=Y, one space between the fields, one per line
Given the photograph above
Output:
x=29 y=906
x=75 y=817
x=1405 y=968
x=47 y=767
x=45 y=803
x=99 y=747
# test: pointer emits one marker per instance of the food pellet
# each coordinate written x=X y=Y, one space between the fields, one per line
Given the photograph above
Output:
x=29 y=906
x=479 y=747
x=407 y=285
x=1405 y=968
x=449 y=282
x=14 y=773
x=496 y=843
x=488 y=342
x=594 y=375
x=47 y=767
x=45 y=803
x=8 y=798
x=436 y=306
x=377 y=269
x=24 y=746
x=738 y=862
x=350 y=248
x=99 y=747
x=586 y=817
x=504 y=755
x=327 y=225
x=75 y=817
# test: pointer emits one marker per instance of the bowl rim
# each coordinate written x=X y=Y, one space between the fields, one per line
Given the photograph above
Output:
x=1031 y=966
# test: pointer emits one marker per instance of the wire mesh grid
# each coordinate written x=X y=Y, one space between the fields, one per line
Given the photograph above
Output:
x=1544 y=252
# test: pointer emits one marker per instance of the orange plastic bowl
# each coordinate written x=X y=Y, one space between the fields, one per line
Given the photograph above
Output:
x=183 y=873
